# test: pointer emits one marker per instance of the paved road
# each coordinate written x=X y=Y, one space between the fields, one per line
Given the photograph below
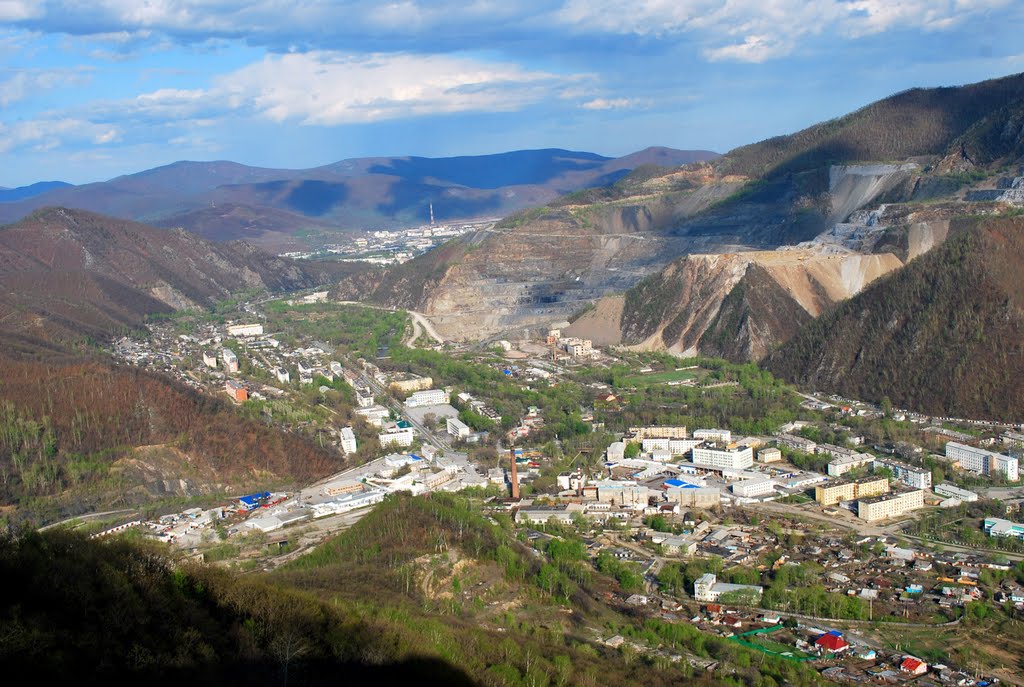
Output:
x=88 y=516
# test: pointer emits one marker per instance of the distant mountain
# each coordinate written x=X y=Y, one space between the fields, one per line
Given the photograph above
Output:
x=944 y=335
x=221 y=199
x=72 y=273
x=912 y=152
x=8 y=195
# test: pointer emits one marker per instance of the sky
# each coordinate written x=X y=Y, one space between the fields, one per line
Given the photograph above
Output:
x=92 y=89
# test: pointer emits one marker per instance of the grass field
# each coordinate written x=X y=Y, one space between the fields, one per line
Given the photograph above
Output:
x=760 y=640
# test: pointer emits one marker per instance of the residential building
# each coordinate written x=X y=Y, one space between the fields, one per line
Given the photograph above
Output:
x=832 y=642
x=237 y=392
x=230 y=360
x=364 y=398
x=336 y=368
x=397 y=436
x=210 y=359
x=283 y=376
x=678 y=546
x=841 y=465
x=723 y=436
x=641 y=433
x=769 y=455
x=375 y=415
x=430 y=397
x=983 y=462
x=834 y=451
x=457 y=428
x=917 y=478
x=708 y=589
x=752 y=488
x=245 y=330
x=890 y=505
x=998 y=527
x=796 y=443
x=544 y=514
x=411 y=384
x=1012 y=439
x=954 y=492
x=914 y=666
x=850 y=490
x=348 y=441
x=736 y=458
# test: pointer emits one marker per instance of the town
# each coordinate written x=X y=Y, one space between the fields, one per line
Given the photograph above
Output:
x=809 y=539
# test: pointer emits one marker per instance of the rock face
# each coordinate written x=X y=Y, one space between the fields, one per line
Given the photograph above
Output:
x=945 y=335
x=739 y=305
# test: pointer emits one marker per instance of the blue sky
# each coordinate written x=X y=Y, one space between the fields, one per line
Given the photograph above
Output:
x=90 y=89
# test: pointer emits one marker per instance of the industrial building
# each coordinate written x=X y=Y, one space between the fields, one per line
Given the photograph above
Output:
x=621 y=493
x=998 y=527
x=850 y=490
x=983 y=462
x=245 y=330
x=677 y=447
x=692 y=495
x=890 y=505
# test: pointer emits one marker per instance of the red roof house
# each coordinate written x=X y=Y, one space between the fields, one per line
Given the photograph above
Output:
x=914 y=666
x=832 y=641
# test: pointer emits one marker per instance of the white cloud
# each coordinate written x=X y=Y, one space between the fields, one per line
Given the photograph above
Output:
x=327 y=88
x=41 y=135
x=18 y=10
x=759 y=30
x=26 y=83
x=609 y=104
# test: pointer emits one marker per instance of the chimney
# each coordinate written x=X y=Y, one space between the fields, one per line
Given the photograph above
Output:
x=514 y=477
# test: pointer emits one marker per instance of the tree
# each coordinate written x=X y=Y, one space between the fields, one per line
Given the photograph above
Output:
x=632 y=450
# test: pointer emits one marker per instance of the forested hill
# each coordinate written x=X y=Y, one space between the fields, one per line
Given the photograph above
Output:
x=944 y=335
x=70 y=273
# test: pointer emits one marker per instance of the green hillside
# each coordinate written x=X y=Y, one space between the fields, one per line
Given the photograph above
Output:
x=945 y=335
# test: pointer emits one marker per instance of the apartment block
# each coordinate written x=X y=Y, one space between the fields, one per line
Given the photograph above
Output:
x=850 y=490
x=890 y=505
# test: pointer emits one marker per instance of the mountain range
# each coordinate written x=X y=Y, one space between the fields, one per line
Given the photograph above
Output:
x=733 y=257
x=286 y=209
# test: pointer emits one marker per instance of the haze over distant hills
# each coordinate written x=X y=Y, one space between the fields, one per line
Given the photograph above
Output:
x=225 y=200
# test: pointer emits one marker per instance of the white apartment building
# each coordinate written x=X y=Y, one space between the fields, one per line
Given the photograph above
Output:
x=641 y=433
x=889 y=505
x=797 y=443
x=429 y=397
x=398 y=436
x=210 y=359
x=769 y=455
x=752 y=488
x=283 y=375
x=955 y=492
x=457 y=428
x=677 y=447
x=843 y=464
x=722 y=435
x=918 y=478
x=348 y=441
x=364 y=398
x=983 y=462
x=230 y=360
x=375 y=415
x=708 y=589
x=737 y=458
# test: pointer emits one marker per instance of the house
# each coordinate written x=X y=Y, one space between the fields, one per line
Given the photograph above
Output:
x=914 y=666
x=237 y=392
x=832 y=642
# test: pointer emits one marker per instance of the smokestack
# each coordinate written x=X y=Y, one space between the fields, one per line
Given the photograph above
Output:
x=514 y=477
